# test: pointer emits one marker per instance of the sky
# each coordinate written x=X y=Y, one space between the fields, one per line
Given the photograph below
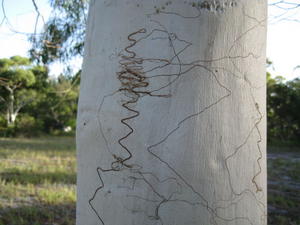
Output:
x=14 y=35
x=21 y=16
x=283 y=42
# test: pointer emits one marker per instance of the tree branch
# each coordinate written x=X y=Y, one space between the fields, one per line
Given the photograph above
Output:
x=2 y=99
x=10 y=26
x=287 y=11
x=37 y=17
x=285 y=5
x=4 y=13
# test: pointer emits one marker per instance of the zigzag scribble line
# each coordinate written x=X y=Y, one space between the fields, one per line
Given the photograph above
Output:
x=135 y=84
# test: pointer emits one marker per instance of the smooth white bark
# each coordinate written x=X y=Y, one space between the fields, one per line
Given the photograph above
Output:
x=188 y=79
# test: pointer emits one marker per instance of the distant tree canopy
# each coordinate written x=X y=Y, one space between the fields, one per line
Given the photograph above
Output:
x=16 y=79
x=31 y=102
x=283 y=107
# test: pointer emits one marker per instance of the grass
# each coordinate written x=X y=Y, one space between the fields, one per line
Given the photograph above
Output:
x=284 y=190
x=37 y=181
x=279 y=146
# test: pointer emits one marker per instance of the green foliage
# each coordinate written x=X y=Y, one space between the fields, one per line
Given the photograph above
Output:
x=16 y=79
x=57 y=106
x=27 y=125
x=16 y=71
x=63 y=36
x=35 y=103
x=283 y=107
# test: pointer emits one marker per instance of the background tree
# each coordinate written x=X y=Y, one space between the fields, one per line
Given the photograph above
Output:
x=57 y=107
x=31 y=102
x=16 y=78
x=63 y=34
x=283 y=106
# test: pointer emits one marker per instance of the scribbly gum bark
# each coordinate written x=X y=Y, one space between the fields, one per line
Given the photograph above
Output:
x=171 y=121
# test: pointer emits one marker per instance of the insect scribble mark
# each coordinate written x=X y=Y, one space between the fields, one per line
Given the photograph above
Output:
x=135 y=85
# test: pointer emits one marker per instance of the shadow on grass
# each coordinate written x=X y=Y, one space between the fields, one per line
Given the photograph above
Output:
x=17 y=176
x=39 y=214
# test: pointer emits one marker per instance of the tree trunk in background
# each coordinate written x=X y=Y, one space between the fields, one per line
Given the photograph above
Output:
x=171 y=121
x=11 y=115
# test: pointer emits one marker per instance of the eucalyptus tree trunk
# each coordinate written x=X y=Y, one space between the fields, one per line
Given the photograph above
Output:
x=171 y=119
x=11 y=114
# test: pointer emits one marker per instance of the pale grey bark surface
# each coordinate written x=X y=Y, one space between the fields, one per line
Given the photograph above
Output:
x=171 y=119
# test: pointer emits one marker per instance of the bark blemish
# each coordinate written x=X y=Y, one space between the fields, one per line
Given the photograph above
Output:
x=214 y=5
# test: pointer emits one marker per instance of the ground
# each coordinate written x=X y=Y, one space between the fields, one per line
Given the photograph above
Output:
x=38 y=182
x=284 y=187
